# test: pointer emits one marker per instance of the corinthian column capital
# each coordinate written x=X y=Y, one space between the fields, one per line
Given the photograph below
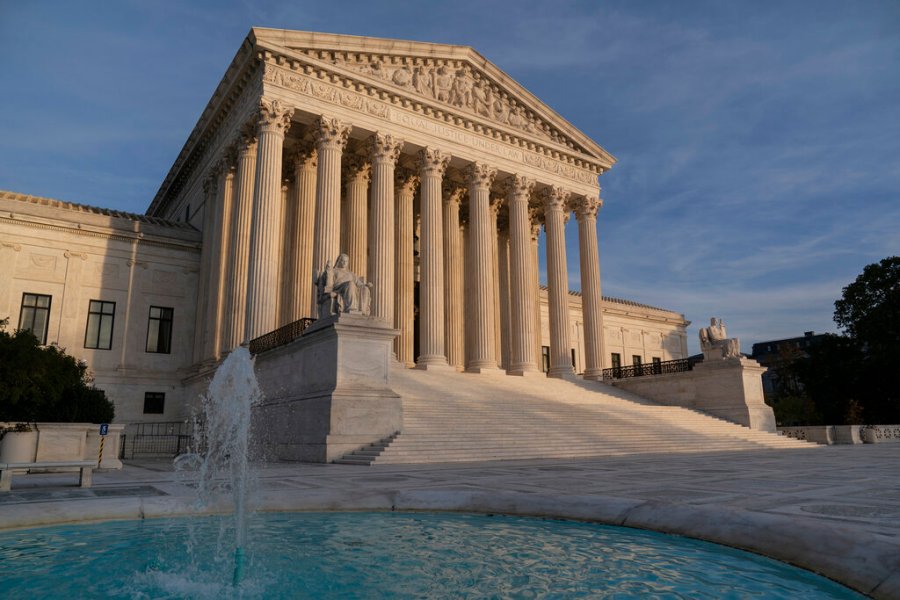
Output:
x=274 y=115
x=480 y=175
x=554 y=198
x=405 y=181
x=433 y=161
x=453 y=193
x=332 y=133
x=385 y=148
x=519 y=187
x=357 y=167
x=586 y=207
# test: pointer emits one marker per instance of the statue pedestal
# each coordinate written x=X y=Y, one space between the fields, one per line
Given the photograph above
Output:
x=328 y=392
x=731 y=389
x=728 y=388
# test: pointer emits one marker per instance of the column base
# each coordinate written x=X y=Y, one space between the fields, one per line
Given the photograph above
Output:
x=488 y=370
x=434 y=365
x=526 y=373
x=593 y=374
x=562 y=373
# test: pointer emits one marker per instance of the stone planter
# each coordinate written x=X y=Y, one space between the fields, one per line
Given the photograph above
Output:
x=18 y=446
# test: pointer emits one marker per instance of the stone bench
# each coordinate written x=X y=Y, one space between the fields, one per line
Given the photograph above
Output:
x=86 y=468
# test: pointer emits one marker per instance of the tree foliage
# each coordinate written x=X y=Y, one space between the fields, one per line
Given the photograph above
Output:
x=854 y=377
x=44 y=384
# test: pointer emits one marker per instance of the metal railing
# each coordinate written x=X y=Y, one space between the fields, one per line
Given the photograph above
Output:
x=168 y=438
x=279 y=337
x=680 y=365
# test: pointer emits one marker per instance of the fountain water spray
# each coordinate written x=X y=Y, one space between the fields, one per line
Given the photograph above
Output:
x=226 y=409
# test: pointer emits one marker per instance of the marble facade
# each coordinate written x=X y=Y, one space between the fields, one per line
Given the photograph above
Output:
x=433 y=170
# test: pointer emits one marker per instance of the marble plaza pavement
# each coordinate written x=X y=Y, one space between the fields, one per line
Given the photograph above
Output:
x=834 y=510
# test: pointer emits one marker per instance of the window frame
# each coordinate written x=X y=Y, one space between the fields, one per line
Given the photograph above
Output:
x=154 y=397
x=160 y=330
x=101 y=315
x=35 y=309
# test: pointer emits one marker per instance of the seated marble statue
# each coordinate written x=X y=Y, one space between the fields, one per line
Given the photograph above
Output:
x=340 y=290
x=715 y=343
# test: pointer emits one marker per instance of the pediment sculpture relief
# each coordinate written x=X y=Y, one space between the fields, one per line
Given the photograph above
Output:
x=453 y=82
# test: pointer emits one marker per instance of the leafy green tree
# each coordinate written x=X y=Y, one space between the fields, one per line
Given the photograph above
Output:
x=869 y=313
x=44 y=384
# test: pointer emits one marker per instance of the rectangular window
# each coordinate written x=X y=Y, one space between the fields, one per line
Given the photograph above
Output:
x=35 y=315
x=657 y=365
x=545 y=358
x=616 y=360
x=636 y=360
x=159 y=330
x=154 y=403
x=573 y=358
x=98 y=334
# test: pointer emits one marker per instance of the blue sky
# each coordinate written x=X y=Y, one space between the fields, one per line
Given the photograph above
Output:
x=758 y=142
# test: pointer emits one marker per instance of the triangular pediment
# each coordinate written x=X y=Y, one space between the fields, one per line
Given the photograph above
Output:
x=455 y=77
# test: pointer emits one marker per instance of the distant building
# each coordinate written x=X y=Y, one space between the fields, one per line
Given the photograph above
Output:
x=773 y=353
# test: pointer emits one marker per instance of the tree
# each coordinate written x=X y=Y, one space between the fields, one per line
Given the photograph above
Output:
x=43 y=383
x=869 y=313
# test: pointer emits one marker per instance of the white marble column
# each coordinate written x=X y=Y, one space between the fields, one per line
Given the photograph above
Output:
x=504 y=300
x=557 y=281
x=586 y=212
x=480 y=298
x=358 y=173
x=385 y=150
x=432 y=353
x=299 y=228
x=534 y=272
x=523 y=292
x=496 y=203
x=267 y=223
x=404 y=295
x=454 y=336
x=239 y=241
x=217 y=301
x=201 y=324
x=331 y=138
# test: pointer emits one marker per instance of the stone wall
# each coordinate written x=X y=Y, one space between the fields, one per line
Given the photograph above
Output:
x=729 y=389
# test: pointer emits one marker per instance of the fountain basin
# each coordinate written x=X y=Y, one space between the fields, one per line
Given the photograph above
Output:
x=387 y=555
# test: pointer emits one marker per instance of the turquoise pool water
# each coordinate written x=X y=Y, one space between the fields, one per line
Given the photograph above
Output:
x=387 y=555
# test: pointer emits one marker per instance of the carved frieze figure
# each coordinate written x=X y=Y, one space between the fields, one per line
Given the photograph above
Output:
x=715 y=343
x=340 y=290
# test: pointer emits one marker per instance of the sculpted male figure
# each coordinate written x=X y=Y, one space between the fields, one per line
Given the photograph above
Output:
x=715 y=343
x=340 y=290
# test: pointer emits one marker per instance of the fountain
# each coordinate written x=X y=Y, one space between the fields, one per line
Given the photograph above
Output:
x=226 y=433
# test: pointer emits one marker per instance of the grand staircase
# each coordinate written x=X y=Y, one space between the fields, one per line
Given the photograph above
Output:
x=458 y=417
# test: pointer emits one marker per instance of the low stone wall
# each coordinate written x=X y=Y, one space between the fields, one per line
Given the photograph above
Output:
x=844 y=434
x=729 y=389
x=51 y=442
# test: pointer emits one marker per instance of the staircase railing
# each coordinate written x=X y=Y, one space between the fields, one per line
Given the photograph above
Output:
x=279 y=337
x=680 y=365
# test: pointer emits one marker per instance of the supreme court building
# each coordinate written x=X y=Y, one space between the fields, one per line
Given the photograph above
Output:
x=433 y=170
